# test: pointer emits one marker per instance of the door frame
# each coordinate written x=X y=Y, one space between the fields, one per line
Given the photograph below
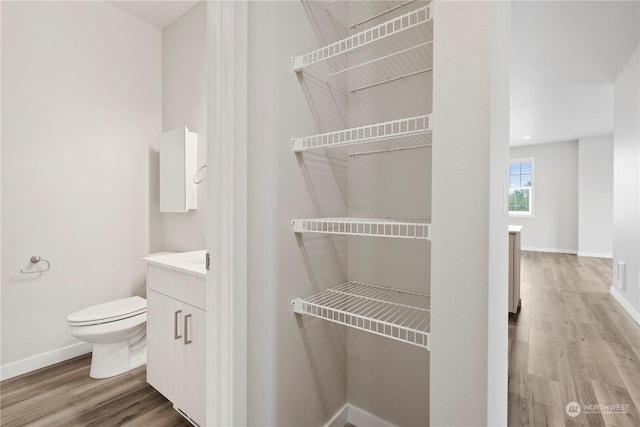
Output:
x=226 y=323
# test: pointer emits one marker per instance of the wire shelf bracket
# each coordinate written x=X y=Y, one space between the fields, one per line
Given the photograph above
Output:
x=401 y=315
x=370 y=35
x=420 y=230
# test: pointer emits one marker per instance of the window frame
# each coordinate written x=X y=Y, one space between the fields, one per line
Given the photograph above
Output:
x=531 y=212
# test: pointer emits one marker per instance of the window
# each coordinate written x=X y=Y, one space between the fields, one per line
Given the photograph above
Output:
x=521 y=187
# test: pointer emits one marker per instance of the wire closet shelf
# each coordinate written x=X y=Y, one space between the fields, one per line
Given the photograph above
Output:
x=401 y=134
x=393 y=313
x=365 y=37
x=365 y=227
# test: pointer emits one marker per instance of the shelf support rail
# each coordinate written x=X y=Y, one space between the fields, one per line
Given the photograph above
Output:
x=370 y=35
x=389 y=80
x=382 y=58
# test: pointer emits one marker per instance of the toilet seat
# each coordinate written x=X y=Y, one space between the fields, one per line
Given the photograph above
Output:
x=108 y=312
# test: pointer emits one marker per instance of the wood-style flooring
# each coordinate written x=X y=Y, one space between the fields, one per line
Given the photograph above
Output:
x=65 y=395
x=571 y=342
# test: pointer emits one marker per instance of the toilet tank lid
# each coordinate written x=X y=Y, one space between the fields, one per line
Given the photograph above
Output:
x=110 y=310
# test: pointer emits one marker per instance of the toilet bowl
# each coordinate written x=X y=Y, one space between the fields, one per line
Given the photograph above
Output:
x=117 y=330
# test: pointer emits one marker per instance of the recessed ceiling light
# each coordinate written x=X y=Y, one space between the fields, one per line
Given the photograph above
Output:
x=526 y=137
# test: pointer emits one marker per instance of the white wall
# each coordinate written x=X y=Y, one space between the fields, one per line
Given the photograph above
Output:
x=399 y=395
x=554 y=227
x=0 y=173
x=262 y=221
x=468 y=142
x=388 y=185
x=573 y=197
x=81 y=105
x=296 y=365
x=626 y=182
x=498 y=332
x=595 y=196
x=184 y=102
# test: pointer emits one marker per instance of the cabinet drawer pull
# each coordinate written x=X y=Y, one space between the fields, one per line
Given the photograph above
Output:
x=175 y=325
x=186 y=330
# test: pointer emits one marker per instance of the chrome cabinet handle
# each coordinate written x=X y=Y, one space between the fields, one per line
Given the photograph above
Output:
x=186 y=330
x=175 y=325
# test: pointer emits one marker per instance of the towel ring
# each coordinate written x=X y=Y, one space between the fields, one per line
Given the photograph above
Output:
x=35 y=259
x=195 y=176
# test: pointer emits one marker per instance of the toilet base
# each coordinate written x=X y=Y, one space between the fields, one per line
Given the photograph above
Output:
x=113 y=359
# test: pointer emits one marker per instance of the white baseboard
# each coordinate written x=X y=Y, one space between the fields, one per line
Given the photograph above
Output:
x=625 y=304
x=551 y=250
x=357 y=417
x=340 y=418
x=29 y=364
x=363 y=418
x=595 y=254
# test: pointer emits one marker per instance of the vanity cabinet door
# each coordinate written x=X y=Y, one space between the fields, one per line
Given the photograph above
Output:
x=165 y=347
x=195 y=358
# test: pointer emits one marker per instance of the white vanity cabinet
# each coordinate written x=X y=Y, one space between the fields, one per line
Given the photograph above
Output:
x=176 y=334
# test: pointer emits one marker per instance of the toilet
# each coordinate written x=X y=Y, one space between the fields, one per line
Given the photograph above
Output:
x=117 y=330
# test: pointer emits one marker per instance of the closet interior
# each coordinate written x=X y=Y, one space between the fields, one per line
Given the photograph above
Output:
x=369 y=90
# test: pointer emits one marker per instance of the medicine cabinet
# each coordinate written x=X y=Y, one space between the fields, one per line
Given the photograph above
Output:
x=178 y=165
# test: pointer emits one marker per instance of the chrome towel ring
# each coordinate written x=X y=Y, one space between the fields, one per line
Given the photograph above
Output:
x=35 y=259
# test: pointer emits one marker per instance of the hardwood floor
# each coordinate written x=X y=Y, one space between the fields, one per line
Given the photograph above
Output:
x=571 y=342
x=65 y=395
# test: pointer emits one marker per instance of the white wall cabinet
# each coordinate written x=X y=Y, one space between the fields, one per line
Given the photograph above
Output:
x=176 y=337
x=178 y=166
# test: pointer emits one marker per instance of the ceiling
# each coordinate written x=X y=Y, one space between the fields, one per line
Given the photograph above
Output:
x=158 y=13
x=566 y=55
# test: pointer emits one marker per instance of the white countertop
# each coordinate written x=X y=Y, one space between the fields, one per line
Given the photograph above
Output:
x=186 y=262
x=515 y=228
